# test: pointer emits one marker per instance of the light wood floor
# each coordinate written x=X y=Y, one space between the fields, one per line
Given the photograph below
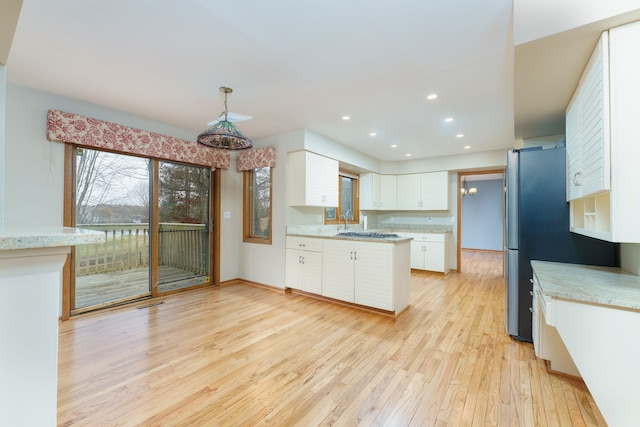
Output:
x=242 y=355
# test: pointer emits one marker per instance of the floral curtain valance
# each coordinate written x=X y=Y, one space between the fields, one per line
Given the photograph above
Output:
x=89 y=132
x=256 y=158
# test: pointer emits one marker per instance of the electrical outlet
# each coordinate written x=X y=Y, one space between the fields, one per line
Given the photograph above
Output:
x=227 y=215
x=318 y=218
x=453 y=219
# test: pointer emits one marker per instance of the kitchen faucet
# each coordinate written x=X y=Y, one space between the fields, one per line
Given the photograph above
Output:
x=348 y=215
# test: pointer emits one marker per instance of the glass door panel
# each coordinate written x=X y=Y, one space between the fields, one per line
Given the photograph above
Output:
x=112 y=196
x=183 y=229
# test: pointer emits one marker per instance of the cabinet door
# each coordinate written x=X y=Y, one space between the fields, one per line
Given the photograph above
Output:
x=417 y=255
x=434 y=191
x=312 y=272
x=330 y=190
x=594 y=116
x=313 y=180
x=574 y=153
x=338 y=269
x=434 y=256
x=409 y=192
x=293 y=269
x=369 y=191
x=374 y=275
x=388 y=190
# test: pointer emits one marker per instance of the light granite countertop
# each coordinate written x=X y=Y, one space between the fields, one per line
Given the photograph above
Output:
x=333 y=235
x=13 y=237
x=587 y=283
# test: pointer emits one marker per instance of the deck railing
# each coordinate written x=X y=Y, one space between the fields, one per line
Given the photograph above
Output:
x=126 y=247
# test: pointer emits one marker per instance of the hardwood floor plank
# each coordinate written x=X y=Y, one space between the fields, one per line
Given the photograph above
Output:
x=244 y=356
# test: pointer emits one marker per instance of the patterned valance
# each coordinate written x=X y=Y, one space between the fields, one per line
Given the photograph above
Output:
x=256 y=158
x=89 y=132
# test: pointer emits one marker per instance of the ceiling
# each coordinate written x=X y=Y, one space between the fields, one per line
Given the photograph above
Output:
x=294 y=64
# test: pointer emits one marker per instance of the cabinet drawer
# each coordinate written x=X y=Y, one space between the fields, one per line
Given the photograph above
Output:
x=304 y=243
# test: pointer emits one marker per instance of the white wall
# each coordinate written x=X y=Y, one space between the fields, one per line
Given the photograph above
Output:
x=494 y=159
x=3 y=110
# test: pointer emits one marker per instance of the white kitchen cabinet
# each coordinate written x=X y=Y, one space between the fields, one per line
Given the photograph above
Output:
x=304 y=264
x=429 y=251
x=313 y=180
x=367 y=273
x=587 y=128
x=547 y=343
x=425 y=191
x=605 y=204
x=377 y=192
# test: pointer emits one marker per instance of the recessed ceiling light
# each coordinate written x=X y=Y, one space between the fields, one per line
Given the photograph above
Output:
x=345 y=117
x=466 y=147
x=408 y=154
x=432 y=96
x=373 y=134
x=394 y=145
x=448 y=119
x=460 y=135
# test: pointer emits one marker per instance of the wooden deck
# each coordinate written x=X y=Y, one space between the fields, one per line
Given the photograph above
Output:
x=102 y=288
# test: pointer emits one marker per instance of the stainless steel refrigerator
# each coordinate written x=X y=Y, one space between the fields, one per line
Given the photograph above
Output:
x=537 y=227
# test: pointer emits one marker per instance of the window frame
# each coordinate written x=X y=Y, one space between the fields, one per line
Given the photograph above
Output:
x=247 y=213
x=356 y=200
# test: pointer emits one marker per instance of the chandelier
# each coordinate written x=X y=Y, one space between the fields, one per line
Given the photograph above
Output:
x=465 y=190
x=223 y=134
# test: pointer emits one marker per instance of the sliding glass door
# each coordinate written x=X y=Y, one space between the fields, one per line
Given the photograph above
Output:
x=183 y=226
x=156 y=229
x=112 y=196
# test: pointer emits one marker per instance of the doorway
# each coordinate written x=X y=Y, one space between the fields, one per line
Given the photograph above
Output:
x=480 y=212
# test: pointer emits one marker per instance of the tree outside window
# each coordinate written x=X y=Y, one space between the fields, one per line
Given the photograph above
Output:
x=348 y=205
x=257 y=205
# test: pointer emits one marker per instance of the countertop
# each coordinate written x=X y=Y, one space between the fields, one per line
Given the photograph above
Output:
x=587 y=283
x=14 y=237
x=333 y=235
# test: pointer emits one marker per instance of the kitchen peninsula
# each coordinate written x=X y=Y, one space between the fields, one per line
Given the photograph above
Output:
x=31 y=261
x=368 y=269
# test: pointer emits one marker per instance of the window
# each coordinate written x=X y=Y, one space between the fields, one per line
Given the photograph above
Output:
x=257 y=205
x=348 y=201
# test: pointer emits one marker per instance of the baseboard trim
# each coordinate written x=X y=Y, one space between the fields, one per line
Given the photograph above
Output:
x=239 y=281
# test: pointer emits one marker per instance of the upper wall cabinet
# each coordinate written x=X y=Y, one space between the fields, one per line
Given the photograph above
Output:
x=587 y=128
x=378 y=192
x=603 y=141
x=424 y=191
x=313 y=180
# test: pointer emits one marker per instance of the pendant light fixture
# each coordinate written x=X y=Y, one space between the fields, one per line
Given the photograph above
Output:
x=465 y=190
x=223 y=134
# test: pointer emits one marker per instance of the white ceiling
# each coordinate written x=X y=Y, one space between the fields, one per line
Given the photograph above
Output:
x=299 y=64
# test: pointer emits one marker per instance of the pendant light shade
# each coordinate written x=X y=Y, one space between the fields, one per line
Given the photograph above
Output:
x=223 y=134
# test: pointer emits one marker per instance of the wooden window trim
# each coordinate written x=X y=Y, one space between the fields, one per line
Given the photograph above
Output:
x=356 y=200
x=246 y=210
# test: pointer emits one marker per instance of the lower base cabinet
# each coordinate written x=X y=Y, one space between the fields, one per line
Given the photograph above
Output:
x=366 y=273
x=370 y=274
x=429 y=252
x=304 y=264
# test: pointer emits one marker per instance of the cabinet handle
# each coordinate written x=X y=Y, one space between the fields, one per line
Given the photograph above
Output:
x=355 y=255
x=302 y=259
x=351 y=255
